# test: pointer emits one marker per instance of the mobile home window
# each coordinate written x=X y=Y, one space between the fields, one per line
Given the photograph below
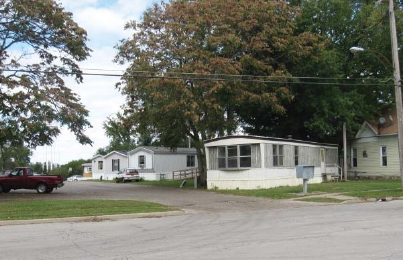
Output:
x=235 y=156
x=384 y=156
x=245 y=156
x=232 y=159
x=190 y=161
x=296 y=155
x=115 y=165
x=278 y=155
x=354 y=157
x=142 y=161
x=100 y=165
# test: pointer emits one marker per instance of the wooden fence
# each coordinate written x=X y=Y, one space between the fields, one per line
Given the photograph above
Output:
x=184 y=174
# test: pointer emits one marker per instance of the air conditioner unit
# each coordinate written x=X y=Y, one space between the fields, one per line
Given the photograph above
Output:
x=141 y=165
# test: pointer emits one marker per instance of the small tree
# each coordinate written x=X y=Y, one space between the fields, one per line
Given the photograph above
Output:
x=39 y=44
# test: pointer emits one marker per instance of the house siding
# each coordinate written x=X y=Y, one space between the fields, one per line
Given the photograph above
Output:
x=371 y=165
x=134 y=160
x=160 y=160
x=97 y=173
x=108 y=163
x=262 y=173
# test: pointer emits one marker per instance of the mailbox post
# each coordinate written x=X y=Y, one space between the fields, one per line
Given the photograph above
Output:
x=305 y=172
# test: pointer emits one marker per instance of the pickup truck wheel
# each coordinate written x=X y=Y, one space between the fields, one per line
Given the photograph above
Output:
x=49 y=190
x=2 y=189
x=6 y=190
x=41 y=188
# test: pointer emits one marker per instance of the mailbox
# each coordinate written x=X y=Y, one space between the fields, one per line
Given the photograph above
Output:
x=305 y=172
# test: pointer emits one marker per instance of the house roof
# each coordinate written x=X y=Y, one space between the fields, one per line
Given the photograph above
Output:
x=124 y=154
x=386 y=124
x=164 y=150
x=253 y=137
x=86 y=164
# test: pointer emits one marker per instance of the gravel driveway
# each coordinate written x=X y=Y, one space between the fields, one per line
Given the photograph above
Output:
x=190 y=200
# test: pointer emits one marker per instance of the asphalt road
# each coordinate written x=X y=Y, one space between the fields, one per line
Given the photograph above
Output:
x=212 y=226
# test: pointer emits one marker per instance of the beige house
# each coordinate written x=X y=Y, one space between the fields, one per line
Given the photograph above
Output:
x=373 y=152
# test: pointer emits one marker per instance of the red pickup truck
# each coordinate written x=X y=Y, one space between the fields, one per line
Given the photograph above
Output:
x=24 y=178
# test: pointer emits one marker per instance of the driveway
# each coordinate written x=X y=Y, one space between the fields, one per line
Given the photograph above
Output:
x=190 y=200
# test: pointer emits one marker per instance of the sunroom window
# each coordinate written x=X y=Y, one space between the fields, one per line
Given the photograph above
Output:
x=234 y=156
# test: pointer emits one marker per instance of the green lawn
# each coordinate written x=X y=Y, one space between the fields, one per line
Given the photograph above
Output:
x=41 y=209
x=363 y=189
x=21 y=210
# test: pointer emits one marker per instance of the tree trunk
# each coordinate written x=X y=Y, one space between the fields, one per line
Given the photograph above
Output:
x=201 y=161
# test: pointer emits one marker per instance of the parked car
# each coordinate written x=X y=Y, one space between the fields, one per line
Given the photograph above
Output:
x=129 y=174
x=24 y=178
x=75 y=178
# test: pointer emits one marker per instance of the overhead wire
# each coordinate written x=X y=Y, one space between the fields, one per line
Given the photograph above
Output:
x=229 y=77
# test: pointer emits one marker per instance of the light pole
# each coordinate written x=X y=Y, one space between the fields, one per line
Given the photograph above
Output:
x=397 y=83
x=398 y=91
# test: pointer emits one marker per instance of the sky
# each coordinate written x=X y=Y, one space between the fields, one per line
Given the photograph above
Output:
x=104 y=22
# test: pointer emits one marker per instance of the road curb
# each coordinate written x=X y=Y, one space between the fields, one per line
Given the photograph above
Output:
x=92 y=218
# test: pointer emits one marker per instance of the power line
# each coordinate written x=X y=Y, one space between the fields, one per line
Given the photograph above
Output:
x=226 y=77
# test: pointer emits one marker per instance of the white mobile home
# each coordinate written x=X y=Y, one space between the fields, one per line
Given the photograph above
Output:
x=151 y=162
x=253 y=162
x=109 y=165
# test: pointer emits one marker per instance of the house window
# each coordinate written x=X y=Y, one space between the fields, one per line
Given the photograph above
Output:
x=115 y=165
x=278 y=155
x=296 y=155
x=89 y=169
x=100 y=165
x=384 y=156
x=354 y=157
x=245 y=156
x=142 y=161
x=222 y=157
x=190 y=161
x=235 y=156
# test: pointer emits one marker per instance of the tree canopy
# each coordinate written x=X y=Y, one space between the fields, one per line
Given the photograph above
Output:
x=194 y=64
x=39 y=45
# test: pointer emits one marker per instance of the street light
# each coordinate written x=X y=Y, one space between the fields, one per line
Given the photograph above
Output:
x=379 y=55
x=397 y=83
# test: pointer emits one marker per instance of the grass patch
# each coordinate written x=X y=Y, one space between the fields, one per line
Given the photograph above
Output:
x=361 y=189
x=41 y=209
x=322 y=199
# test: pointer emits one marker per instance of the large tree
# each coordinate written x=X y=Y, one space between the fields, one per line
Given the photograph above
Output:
x=192 y=63
x=339 y=87
x=120 y=134
x=39 y=45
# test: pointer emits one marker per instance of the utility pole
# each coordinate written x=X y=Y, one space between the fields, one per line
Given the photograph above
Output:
x=344 y=152
x=397 y=82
